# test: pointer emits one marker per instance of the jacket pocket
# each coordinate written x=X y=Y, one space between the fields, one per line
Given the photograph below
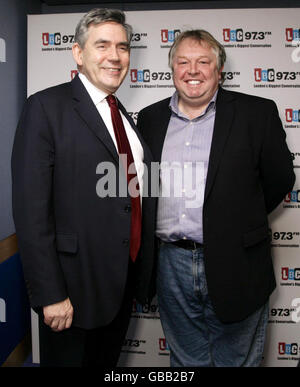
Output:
x=66 y=243
x=253 y=237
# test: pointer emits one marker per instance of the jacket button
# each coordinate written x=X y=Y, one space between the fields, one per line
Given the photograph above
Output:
x=126 y=242
x=127 y=208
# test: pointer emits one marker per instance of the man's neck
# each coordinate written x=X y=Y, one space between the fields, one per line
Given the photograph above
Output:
x=193 y=109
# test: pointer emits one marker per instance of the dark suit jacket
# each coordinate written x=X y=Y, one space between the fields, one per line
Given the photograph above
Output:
x=72 y=242
x=250 y=171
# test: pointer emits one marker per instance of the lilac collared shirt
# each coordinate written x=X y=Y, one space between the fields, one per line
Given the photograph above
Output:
x=184 y=165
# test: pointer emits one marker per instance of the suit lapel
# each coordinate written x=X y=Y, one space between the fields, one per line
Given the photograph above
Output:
x=147 y=153
x=130 y=120
x=90 y=115
x=164 y=119
x=160 y=127
x=223 y=121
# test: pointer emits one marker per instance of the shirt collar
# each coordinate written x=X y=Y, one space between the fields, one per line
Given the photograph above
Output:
x=174 y=104
x=96 y=94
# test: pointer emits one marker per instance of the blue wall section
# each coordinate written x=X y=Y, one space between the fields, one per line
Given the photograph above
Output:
x=12 y=96
x=13 y=76
x=14 y=300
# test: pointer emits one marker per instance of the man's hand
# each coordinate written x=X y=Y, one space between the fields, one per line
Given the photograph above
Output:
x=59 y=316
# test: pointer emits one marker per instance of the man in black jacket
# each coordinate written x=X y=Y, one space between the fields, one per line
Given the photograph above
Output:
x=85 y=254
x=215 y=272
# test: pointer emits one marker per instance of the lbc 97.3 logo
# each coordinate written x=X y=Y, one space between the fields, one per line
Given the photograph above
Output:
x=292 y=197
x=292 y=115
x=288 y=349
x=147 y=76
x=290 y=274
x=163 y=344
x=56 y=39
x=270 y=75
x=292 y=34
x=168 y=36
x=239 y=35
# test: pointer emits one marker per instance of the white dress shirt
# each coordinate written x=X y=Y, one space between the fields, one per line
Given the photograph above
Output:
x=98 y=97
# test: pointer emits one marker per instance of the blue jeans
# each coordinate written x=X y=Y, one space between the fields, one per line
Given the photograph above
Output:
x=195 y=336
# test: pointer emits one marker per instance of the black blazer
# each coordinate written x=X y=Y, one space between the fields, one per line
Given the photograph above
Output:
x=250 y=171
x=72 y=242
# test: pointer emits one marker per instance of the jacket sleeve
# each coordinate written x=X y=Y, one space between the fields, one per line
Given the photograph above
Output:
x=33 y=211
x=276 y=169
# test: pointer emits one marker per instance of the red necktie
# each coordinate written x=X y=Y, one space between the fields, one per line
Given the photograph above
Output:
x=124 y=149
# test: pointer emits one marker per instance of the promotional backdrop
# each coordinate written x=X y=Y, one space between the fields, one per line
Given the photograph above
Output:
x=263 y=58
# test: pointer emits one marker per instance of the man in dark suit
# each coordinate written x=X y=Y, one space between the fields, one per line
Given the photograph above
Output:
x=215 y=272
x=86 y=251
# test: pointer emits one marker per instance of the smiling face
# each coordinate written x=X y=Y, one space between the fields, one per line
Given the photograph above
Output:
x=104 y=59
x=195 y=73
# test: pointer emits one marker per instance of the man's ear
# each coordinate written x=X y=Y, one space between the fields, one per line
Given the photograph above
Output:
x=77 y=54
x=220 y=73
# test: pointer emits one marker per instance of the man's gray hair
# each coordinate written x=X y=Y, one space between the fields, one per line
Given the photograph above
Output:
x=97 y=16
x=200 y=36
